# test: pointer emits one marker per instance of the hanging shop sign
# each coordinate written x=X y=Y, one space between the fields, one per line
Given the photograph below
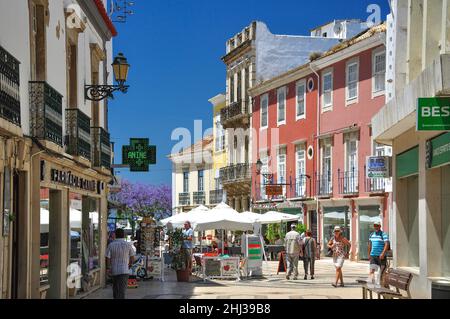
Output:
x=67 y=178
x=274 y=190
x=378 y=167
x=139 y=154
x=433 y=114
x=438 y=151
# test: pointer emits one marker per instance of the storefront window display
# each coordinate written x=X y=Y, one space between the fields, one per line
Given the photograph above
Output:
x=368 y=215
x=336 y=216
x=44 y=236
x=445 y=220
x=75 y=217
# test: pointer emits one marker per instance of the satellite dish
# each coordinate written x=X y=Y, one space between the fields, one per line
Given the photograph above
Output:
x=338 y=28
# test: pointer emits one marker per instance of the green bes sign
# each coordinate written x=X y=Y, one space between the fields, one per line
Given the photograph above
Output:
x=438 y=151
x=433 y=114
x=139 y=154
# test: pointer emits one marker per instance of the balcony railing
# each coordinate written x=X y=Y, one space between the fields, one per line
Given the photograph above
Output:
x=102 y=147
x=348 y=182
x=235 y=173
x=46 y=112
x=184 y=199
x=324 y=185
x=234 y=111
x=78 y=133
x=374 y=185
x=216 y=196
x=261 y=196
x=199 y=198
x=9 y=88
x=302 y=186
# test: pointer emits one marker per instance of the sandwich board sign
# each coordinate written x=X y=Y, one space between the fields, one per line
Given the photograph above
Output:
x=433 y=114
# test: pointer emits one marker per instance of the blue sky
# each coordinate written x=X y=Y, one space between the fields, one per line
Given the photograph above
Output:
x=174 y=48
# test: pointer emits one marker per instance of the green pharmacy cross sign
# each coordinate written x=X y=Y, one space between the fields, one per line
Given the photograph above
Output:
x=433 y=114
x=139 y=154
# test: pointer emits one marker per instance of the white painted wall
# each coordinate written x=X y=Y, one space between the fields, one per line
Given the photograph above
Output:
x=14 y=37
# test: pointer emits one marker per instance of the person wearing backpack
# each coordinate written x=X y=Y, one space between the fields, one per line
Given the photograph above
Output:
x=378 y=247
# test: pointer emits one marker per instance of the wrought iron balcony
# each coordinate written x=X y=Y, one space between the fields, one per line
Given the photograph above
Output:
x=324 y=185
x=9 y=88
x=302 y=186
x=46 y=112
x=235 y=111
x=102 y=147
x=374 y=185
x=216 y=196
x=236 y=173
x=261 y=196
x=184 y=199
x=78 y=134
x=348 y=182
x=199 y=198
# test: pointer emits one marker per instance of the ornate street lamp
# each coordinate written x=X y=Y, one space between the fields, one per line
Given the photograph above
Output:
x=101 y=92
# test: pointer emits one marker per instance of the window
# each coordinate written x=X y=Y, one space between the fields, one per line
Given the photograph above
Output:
x=201 y=186
x=186 y=182
x=264 y=111
x=352 y=81
x=220 y=135
x=38 y=41
x=239 y=86
x=281 y=98
x=300 y=185
x=327 y=90
x=379 y=72
x=351 y=170
x=264 y=170
x=301 y=98
x=325 y=181
x=231 y=88
x=282 y=168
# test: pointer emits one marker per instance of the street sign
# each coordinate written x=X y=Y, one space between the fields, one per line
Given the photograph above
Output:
x=378 y=167
x=274 y=190
x=433 y=114
x=139 y=154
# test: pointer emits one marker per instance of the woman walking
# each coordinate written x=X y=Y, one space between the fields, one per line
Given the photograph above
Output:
x=337 y=244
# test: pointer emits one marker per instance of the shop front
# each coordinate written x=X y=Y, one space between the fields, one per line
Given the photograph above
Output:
x=72 y=210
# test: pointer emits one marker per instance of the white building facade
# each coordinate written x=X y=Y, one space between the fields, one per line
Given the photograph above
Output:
x=418 y=66
x=55 y=153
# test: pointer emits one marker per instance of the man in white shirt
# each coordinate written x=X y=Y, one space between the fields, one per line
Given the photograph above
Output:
x=119 y=256
x=293 y=246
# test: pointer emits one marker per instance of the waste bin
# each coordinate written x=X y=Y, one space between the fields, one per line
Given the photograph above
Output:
x=440 y=289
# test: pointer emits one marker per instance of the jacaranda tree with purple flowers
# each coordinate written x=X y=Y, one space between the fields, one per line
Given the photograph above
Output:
x=146 y=200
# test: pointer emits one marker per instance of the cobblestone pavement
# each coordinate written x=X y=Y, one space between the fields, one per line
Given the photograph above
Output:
x=271 y=286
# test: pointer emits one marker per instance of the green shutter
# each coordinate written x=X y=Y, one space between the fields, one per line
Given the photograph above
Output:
x=408 y=163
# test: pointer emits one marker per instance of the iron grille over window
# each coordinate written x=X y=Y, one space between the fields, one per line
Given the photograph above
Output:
x=46 y=112
x=9 y=88
x=78 y=135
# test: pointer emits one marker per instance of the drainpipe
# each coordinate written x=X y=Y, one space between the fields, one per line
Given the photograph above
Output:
x=317 y=144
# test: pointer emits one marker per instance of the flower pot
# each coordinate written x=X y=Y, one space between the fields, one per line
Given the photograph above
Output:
x=183 y=275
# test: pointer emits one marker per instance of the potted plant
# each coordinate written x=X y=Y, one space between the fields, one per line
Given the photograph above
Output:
x=178 y=255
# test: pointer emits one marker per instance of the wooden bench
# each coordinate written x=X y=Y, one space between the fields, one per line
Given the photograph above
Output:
x=397 y=279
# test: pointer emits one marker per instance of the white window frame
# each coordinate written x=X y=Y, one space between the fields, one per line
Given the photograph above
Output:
x=375 y=54
x=329 y=107
x=299 y=84
x=301 y=148
x=283 y=89
x=264 y=170
x=354 y=99
x=264 y=97
x=282 y=159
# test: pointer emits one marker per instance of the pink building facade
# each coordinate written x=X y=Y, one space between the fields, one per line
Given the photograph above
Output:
x=313 y=133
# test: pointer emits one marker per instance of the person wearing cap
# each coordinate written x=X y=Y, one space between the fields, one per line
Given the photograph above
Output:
x=378 y=246
x=337 y=244
x=293 y=246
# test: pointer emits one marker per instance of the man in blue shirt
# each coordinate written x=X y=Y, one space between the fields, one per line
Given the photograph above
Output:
x=187 y=246
x=378 y=246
